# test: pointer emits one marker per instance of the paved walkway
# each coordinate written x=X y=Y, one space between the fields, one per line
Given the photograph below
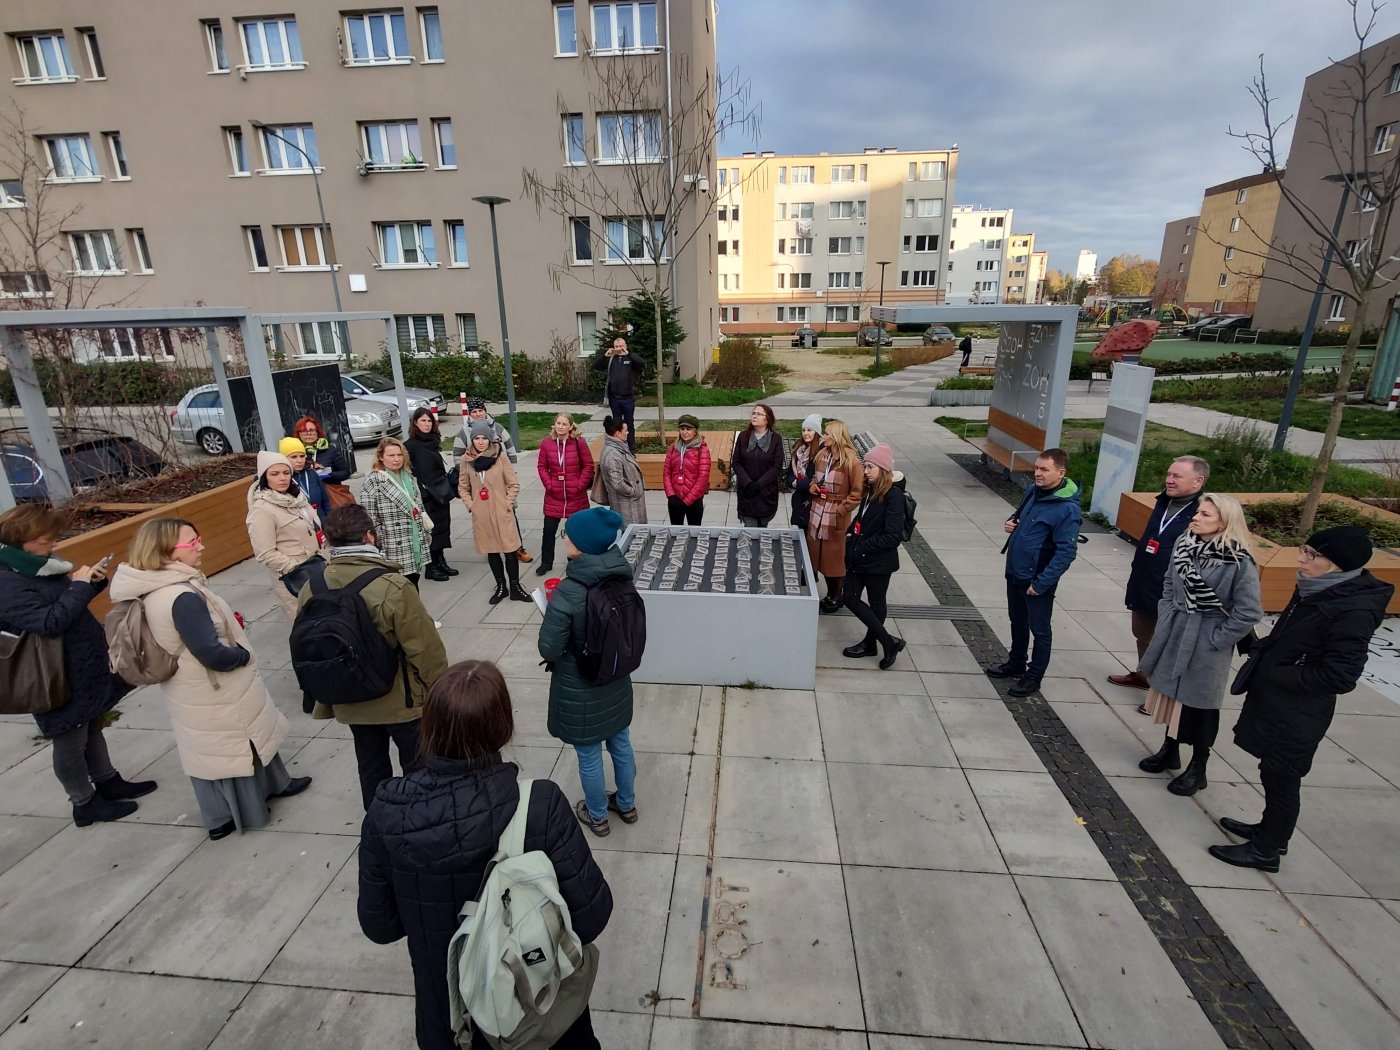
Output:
x=890 y=861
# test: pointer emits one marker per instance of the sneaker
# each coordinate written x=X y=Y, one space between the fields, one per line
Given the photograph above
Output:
x=629 y=816
x=598 y=827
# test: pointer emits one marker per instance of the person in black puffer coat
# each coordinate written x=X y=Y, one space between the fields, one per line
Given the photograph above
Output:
x=758 y=467
x=424 y=444
x=42 y=593
x=872 y=554
x=429 y=836
x=1317 y=649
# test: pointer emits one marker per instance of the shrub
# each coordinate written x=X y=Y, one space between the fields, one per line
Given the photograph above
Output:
x=968 y=383
x=1271 y=386
x=740 y=365
x=1321 y=337
x=103 y=383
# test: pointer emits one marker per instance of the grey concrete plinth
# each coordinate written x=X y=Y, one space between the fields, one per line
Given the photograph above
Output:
x=315 y=1019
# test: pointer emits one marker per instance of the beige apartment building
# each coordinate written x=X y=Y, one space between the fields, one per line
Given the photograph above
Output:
x=1178 y=242
x=184 y=147
x=1035 y=278
x=1020 y=283
x=1233 y=233
x=801 y=237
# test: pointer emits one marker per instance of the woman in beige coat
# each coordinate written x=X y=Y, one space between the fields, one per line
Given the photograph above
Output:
x=489 y=489
x=282 y=525
x=227 y=729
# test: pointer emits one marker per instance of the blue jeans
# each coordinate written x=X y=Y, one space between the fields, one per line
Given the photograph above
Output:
x=590 y=773
x=624 y=409
x=1030 y=616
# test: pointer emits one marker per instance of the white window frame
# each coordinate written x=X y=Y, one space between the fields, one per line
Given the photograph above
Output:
x=62 y=156
x=922 y=242
x=237 y=143
x=436 y=331
x=634 y=30
x=439 y=124
x=319 y=345
x=96 y=67
x=575 y=145
x=1185 y=248
x=1385 y=138
x=62 y=73
x=559 y=51
x=382 y=134
x=462 y=332
x=1234 y=227
x=1222 y=280
x=1241 y=195
x=140 y=249
x=803 y=173
x=930 y=208
x=301 y=161
x=394 y=247
x=88 y=242
x=1393 y=85
x=1230 y=252
x=838 y=279
x=254 y=240
x=385 y=18
x=300 y=265
x=845 y=209
x=1217 y=306
x=628 y=136
x=838 y=314
x=576 y=223
x=909 y=206
x=9 y=198
x=620 y=230
x=794 y=314
x=1337 y=308
x=864 y=173
x=288 y=40
x=933 y=171
x=794 y=281
x=449 y=229
x=424 y=14
x=843 y=173
x=118 y=155
x=37 y=285
x=923 y=278
x=834 y=246
x=800 y=246
x=217 y=43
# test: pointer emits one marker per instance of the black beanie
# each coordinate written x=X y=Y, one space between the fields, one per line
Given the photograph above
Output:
x=1345 y=546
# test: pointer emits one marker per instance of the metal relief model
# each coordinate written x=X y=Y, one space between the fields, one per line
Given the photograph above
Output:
x=716 y=561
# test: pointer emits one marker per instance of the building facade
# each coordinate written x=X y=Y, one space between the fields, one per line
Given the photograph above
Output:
x=148 y=126
x=979 y=244
x=1019 y=284
x=1087 y=268
x=1035 y=278
x=1178 y=242
x=800 y=237
x=1233 y=233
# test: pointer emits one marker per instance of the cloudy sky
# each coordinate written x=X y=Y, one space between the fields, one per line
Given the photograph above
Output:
x=1097 y=120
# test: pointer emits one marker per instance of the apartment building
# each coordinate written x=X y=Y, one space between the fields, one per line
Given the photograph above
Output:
x=979 y=242
x=1233 y=231
x=185 y=148
x=801 y=237
x=1035 y=278
x=1087 y=268
x=1178 y=242
x=1019 y=284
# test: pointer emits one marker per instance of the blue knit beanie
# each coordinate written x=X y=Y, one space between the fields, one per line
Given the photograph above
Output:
x=594 y=530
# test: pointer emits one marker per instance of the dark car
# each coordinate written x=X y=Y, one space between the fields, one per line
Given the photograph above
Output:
x=1193 y=330
x=938 y=333
x=870 y=334
x=1224 y=329
x=92 y=457
x=805 y=336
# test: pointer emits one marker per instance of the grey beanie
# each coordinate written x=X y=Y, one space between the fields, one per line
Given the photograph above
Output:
x=813 y=423
x=482 y=428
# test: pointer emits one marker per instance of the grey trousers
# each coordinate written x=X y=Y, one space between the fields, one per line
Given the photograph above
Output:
x=80 y=760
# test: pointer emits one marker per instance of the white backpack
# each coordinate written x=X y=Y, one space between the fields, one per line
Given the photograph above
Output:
x=515 y=967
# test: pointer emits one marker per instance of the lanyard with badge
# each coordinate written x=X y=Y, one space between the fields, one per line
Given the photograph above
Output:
x=485 y=493
x=1153 y=545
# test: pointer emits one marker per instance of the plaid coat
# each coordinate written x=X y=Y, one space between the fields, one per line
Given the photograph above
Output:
x=396 y=517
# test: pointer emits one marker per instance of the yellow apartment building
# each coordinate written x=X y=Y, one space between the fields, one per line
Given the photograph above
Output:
x=1232 y=235
x=1019 y=284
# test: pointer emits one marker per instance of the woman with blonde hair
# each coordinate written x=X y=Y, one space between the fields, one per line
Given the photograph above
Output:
x=1210 y=602
x=227 y=729
x=565 y=466
x=395 y=503
x=836 y=484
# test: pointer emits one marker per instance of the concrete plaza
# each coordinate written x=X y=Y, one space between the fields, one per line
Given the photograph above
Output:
x=884 y=862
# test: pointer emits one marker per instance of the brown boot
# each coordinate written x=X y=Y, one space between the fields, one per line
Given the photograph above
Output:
x=1133 y=680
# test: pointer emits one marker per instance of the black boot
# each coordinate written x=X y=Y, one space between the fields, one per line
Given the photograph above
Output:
x=1169 y=757
x=434 y=570
x=893 y=647
x=499 y=571
x=1244 y=831
x=517 y=592
x=115 y=789
x=1193 y=777
x=869 y=647
x=542 y=568
x=97 y=809
x=444 y=567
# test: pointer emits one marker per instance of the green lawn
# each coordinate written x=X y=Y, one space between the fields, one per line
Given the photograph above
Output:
x=534 y=427
x=1372 y=424
x=686 y=393
x=1189 y=350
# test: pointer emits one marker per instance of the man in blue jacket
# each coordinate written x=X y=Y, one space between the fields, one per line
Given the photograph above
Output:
x=1044 y=538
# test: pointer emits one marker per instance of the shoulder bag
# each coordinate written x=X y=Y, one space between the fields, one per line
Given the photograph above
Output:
x=32 y=679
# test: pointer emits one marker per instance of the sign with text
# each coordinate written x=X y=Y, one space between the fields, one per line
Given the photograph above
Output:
x=1028 y=397
x=1123 y=423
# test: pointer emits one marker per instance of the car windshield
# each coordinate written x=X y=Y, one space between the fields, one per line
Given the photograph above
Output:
x=375 y=383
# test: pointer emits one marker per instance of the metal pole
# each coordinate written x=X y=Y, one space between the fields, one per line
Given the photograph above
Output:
x=491 y=203
x=36 y=419
x=881 y=329
x=216 y=362
x=1300 y=363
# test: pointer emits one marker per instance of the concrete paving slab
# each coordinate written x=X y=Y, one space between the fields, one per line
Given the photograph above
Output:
x=1332 y=765
x=662 y=782
x=618 y=1029
x=665 y=717
x=1034 y=827
x=329 y=951
x=21 y=836
x=143 y=708
x=107 y=867
x=118 y=1011
x=925 y=632
x=21 y=985
x=1325 y=1000
x=910 y=1042
x=699 y=806
x=1363 y=700
x=921 y=943
x=677 y=1033
x=772 y=723
x=529 y=701
x=775 y=810
x=681 y=959
x=632 y=944
x=873 y=680
x=984 y=735
x=1115 y=744
x=945 y=659
x=537 y=763
x=1358 y=829
x=521 y=658
x=316 y=1019
x=708 y=719
x=19 y=741
x=29 y=788
x=891 y=730
x=474 y=643
x=960 y=686
x=910 y=817
x=1124 y=990
x=331 y=805
x=1371 y=739
x=1112 y=630
x=1364 y=934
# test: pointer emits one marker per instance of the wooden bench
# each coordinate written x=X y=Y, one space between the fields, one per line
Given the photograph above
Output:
x=1098 y=377
x=977 y=370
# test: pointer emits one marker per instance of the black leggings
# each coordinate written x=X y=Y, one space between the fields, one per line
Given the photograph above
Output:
x=1282 y=802
x=1198 y=727
x=503 y=565
x=873 y=610
x=685 y=514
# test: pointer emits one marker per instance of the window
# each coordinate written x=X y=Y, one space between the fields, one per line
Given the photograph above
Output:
x=96 y=71
x=1385 y=139
x=116 y=342
x=722 y=248
x=11 y=193
x=114 y=146
x=1366 y=199
x=393 y=145
x=1223 y=280
x=140 y=250
x=575 y=152
x=795 y=280
x=860 y=246
x=635 y=238
x=565 y=31
x=993 y=245
x=583 y=240
x=95 y=253
x=1180 y=267
x=930 y=207
x=1394 y=84
x=838 y=246
x=1229 y=253
x=624 y=27
x=906 y=245
x=71 y=158
x=782 y=173
x=304 y=248
x=406 y=244
x=729 y=314
x=805 y=173
x=988 y=264
x=840 y=313
x=1217 y=306
x=918 y=278
x=1185 y=248
x=377 y=38
x=995 y=220
x=926 y=242
x=466 y=332
x=846 y=210
x=218 y=52
x=794 y=313
x=417 y=332
x=446 y=143
x=624 y=137
x=864 y=168
x=237 y=151
x=796 y=210
x=290 y=147
x=25 y=285
x=271 y=43
x=1336 y=310
x=1235 y=224
x=431 y=24
x=722 y=214
x=1352 y=249
x=843 y=173
x=257 y=250
x=932 y=171
x=841 y=279
x=1241 y=195
x=909 y=208
x=456 y=242
x=800 y=246
x=318 y=339
x=913 y=171
x=44 y=58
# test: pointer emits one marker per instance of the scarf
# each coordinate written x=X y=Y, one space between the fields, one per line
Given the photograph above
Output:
x=481 y=464
x=762 y=440
x=351 y=550
x=682 y=447
x=1307 y=587
x=404 y=480
x=26 y=564
x=1190 y=553
x=800 y=458
x=285 y=500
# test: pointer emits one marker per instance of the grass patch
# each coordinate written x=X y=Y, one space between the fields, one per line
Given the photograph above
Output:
x=687 y=393
x=968 y=383
x=1373 y=424
x=534 y=427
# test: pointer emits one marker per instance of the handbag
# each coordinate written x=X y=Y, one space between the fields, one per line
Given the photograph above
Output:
x=338 y=494
x=441 y=489
x=295 y=579
x=32 y=679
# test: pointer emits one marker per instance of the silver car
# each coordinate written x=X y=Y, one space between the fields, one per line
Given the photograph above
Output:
x=199 y=420
x=371 y=386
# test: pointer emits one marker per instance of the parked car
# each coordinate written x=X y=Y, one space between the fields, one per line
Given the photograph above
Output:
x=805 y=336
x=199 y=420
x=868 y=336
x=92 y=456
x=938 y=333
x=1193 y=330
x=1224 y=329
x=374 y=387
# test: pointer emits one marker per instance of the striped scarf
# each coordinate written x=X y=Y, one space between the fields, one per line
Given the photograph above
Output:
x=1189 y=554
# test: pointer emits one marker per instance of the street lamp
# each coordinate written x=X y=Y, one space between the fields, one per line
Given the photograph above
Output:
x=491 y=203
x=258 y=125
x=882 y=266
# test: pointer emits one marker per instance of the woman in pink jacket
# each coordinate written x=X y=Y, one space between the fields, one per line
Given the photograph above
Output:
x=686 y=473
x=566 y=471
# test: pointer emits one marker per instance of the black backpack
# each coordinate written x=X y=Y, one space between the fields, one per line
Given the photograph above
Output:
x=614 y=631
x=911 y=507
x=338 y=654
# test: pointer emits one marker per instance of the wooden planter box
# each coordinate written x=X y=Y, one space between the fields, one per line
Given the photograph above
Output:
x=219 y=514
x=721 y=443
x=1278 y=566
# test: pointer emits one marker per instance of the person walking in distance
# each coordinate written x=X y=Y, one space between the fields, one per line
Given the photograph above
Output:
x=565 y=467
x=1176 y=506
x=758 y=467
x=489 y=489
x=872 y=554
x=623 y=370
x=619 y=482
x=685 y=475
x=1043 y=541
x=965 y=348
x=476 y=413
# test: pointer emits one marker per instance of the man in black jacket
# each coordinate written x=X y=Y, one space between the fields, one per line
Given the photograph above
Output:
x=1178 y=502
x=620 y=388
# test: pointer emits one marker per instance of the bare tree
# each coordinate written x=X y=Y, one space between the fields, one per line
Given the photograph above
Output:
x=644 y=188
x=1341 y=125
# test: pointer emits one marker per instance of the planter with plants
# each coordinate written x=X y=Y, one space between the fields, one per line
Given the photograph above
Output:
x=963 y=390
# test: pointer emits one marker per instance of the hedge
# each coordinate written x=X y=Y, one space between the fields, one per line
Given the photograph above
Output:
x=104 y=383
x=536 y=379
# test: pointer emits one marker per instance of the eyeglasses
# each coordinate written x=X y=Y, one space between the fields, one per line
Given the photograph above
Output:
x=196 y=542
x=1309 y=554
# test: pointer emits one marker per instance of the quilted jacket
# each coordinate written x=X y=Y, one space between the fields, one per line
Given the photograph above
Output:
x=688 y=478
x=569 y=496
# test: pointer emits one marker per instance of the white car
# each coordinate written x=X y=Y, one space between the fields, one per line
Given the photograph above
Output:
x=371 y=386
x=199 y=420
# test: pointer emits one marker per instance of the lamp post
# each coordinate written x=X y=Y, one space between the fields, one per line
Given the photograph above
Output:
x=258 y=125
x=491 y=203
x=881 y=330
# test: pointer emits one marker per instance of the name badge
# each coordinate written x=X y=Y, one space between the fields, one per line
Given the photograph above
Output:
x=1152 y=546
x=484 y=494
